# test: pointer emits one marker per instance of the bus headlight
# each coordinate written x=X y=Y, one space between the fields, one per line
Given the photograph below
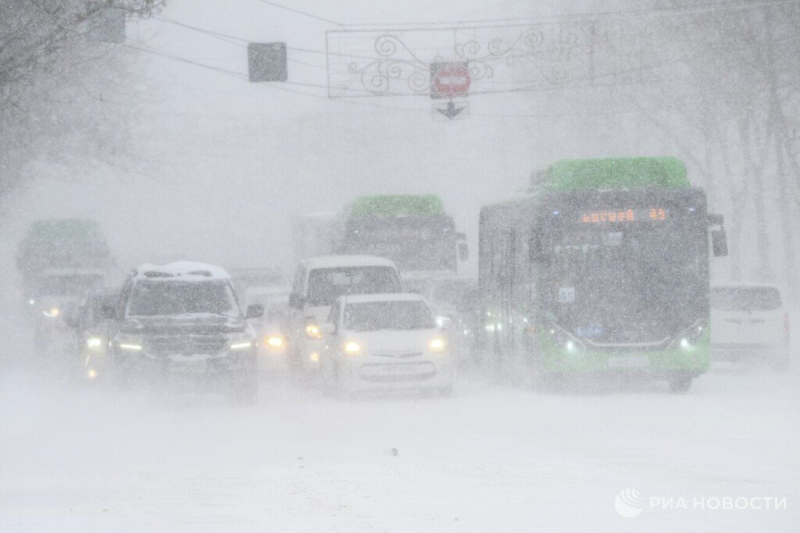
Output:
x=689 y=338
x=564 y=340
x=53 y=312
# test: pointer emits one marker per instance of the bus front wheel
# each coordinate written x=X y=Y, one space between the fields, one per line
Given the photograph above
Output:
x=680 y=383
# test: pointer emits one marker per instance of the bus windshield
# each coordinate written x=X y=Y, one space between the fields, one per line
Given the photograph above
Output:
x=625 y=285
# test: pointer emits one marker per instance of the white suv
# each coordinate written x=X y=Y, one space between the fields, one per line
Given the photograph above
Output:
x=749 y=321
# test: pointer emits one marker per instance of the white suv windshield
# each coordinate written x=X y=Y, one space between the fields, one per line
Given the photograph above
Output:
x=159 y=298
x=399 y=315
x=325 y=285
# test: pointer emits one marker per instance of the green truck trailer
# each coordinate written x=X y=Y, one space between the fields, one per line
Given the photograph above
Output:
x=412 y=230
x=59 y=258
x=602 y=268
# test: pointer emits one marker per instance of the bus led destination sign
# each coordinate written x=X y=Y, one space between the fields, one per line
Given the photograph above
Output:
x=625 y=215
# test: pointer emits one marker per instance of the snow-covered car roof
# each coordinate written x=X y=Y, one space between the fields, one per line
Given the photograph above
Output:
x=341 y=261
x=387 y=297
x=182 y=270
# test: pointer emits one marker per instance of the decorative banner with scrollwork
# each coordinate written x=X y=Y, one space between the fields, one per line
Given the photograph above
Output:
x=540 y=56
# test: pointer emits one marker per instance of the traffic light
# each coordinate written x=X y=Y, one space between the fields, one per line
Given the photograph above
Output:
x=267 y=62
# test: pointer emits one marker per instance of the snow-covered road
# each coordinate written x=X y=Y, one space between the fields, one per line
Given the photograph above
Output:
x=489 y=459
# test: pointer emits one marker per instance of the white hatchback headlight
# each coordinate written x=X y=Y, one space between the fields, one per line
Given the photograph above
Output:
x=437 y=345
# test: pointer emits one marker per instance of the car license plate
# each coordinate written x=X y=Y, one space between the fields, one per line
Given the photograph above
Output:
x=628 y=361
x=190 y=367
x=390 y=370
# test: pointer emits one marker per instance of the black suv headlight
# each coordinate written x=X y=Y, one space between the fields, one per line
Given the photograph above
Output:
x=241 y=343
x=128 y=343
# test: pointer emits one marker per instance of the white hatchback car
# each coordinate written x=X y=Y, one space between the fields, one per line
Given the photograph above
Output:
x=749 y=321
x=385 y=341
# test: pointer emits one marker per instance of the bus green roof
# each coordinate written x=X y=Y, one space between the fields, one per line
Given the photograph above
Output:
x=614 y=173
x=65 y=230
x=396 y=205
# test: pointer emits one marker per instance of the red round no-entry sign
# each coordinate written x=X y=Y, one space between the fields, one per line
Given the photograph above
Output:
x=449 y=80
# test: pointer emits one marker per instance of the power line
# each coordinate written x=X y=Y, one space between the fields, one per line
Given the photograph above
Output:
x=454 y=24
x=299 y=12
x=242 y=76
x=239 y=41
x=234 y=40
x=225 y=36
x=151 y=50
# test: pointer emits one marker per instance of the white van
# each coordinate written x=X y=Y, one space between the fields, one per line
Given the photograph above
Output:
x=749 y=321
x=318 y=282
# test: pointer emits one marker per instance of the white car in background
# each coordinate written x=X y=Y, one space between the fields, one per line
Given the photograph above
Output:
x=749 y=321
x=318 y=282
x=385 y=341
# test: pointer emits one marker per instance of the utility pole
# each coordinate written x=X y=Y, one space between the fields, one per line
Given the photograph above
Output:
x=778 y=126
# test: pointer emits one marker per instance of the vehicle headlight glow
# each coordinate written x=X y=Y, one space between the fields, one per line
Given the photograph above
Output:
x=242 y=345
x=313 y=331
x=565 y=340
x=690 y=337
x=94 y=343
x=352 y=348
x=313 y=357
x=53 y=312
x=130 y=347
x=92 y=373
x=275 y=341
x=437 y=345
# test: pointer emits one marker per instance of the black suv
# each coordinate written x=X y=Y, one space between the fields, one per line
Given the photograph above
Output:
x=182 y=322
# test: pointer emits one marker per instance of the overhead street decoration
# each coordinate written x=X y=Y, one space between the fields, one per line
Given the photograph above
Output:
x=573 y=53
x=449 y=80
x=267 y=62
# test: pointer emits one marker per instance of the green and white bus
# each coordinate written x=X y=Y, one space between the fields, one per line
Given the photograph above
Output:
x=602 y=268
